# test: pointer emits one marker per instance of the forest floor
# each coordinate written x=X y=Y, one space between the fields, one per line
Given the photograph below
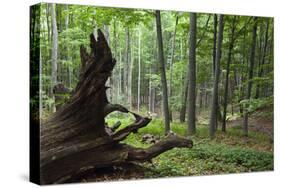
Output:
x=228 y=152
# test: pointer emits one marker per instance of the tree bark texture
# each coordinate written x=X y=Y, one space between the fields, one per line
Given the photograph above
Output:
x=231 y=44
x=77 y=138
x=54 y=45
x=192 y=76
x=214 y=108
x=162 y=72
x=250 y=76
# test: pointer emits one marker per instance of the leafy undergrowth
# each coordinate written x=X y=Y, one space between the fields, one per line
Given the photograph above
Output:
x=228 y=153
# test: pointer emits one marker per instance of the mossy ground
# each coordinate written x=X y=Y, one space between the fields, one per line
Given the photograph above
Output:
x=228 y=152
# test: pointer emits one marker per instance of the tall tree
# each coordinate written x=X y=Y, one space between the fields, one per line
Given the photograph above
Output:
x=69 y=67
x=215 y=42
x=126 y=63
x=214 y=111
x=192 y=75
x=219 y=117
x=250 y=77
x=162 y=71
x=115 y=85
x=130 y=67
x=54 y=46
x=184 y=99
x=230 y=47
x=264 y=51
x=171 y=65
x=184 y=91
x=139 y=69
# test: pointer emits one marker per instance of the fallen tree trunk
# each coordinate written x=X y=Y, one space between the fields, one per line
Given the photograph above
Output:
x=77 y=138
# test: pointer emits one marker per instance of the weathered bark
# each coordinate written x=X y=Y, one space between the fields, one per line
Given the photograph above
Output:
x=250 y=76
x=77 y=138
x=192 y=75
x=162 y=72
x=214 y=108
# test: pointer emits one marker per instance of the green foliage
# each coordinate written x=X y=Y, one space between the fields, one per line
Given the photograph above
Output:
x=255 y=104
x=76 y=22
x=248 y=158
x=228 y=153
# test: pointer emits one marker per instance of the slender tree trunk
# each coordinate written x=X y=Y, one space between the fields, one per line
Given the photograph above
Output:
x=264 y=51
x=250 y=76
x=126 y=65
x=192 y=76
x=171 y=66
x=184 y=103
x=49 y=50
x=215 y=42
x=154 y=70
x=162 y=71
x=183 y=90
x=115 y=86
x=130 y=68
x=227 y=74
x=139 y=69
x=109 y=81
x=40 y=85
x=219 y=116
x=69 y=67
x=121 y=87
x=150 y=91
x=54 y=48
x=244 y=60
x=214 y=111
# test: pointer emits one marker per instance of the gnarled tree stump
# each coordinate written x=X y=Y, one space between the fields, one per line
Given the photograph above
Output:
x=77 y=138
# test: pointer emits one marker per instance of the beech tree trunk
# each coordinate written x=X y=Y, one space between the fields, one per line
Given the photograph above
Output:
x=76 y=138
x=183 y=88
x=139 y=69
x=250 y=76
x=192 y=76
x=214 y=108
x=215 y=42
x=227 y=74
x=54 y=46
x=130 y=67
x=162 y=72
x=171 y=66
x=264 y=51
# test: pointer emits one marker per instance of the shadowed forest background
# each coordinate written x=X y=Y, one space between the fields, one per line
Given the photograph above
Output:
x=208 y=77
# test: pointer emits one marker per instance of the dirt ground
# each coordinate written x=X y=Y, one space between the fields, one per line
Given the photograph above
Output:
x=256 y=123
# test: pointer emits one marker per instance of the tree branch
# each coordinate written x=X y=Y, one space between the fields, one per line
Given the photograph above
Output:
x=204 y=32
x=172 y=141
x=109 y=108
x=123 y=133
